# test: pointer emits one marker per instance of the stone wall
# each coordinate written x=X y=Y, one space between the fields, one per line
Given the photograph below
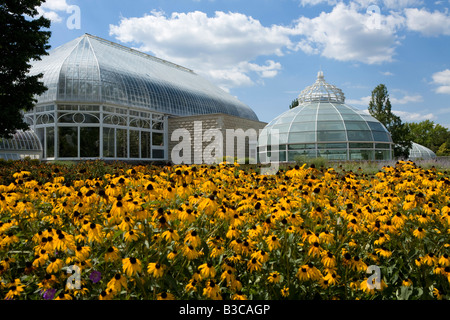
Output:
x=202 y=144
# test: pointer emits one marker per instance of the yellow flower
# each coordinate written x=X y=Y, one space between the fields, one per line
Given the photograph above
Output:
x=285 y=291
x=207 y=270
x=165 y=296
x=273 y=242
x=15 y=289
x=328 y=260
x=274 y=277
x=212 y=290
x=419 y=233
x=155 y=269
x=170 y=235
x=117 y=283
x=112 y=254
x=254 y=265
x=131 y=266
x=193 y=239
x=55 y=265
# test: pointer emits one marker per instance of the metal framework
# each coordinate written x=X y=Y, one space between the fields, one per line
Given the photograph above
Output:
x=322 y=125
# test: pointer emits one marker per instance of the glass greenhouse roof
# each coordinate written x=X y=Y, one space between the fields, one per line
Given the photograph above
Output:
x=418 y=151
x=323 y=117
x=21 y=141
x=91 y=69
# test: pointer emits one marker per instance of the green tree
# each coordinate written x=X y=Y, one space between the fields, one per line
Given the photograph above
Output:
x=443 y=150
x=429 y=134
x=294 y=104
x=380 y=108
x=22 y=40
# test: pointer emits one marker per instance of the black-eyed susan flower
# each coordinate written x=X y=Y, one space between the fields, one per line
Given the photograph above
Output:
x=64 y=296
x=273 y=242
x=285 y=291
x=131 y=266
x=191 y=286
x=55 y=265
x=261 y=255
x=170 y=235
x=117 y=283
x=254 y=265
x=192 y=238
x=156 y=269
x=15 y=289
x=112 y=254
x=212 y=290
x=190 y=252
x=419 y=233
x=165 y=296
x=207 y=270
x=274 y=277
x=444 y=260
x=328 y=259
x=132 y=235
x=217 y=251
x=383 y=252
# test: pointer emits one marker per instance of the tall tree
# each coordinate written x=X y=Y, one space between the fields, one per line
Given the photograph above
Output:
x=380 y=108
x=429 y=134
x=22 y=39
x=293 y=104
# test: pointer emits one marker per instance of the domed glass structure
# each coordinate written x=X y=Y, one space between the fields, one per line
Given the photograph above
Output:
x=418 y=151
x=108 y=101
x=21 y=145
x=323 y=125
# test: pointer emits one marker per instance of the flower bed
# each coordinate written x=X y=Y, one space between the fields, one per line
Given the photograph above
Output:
x=117 y=231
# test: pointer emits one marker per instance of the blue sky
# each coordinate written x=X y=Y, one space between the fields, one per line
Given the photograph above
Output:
x=265 y=52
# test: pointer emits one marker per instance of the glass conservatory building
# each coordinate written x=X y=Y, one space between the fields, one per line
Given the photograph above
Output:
x=418 y=151
x=323 y=125
x=108 y=101
x=23 y=144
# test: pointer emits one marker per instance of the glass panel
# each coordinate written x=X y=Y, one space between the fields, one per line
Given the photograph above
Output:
x=145 y=145
x=158 y=125
x=331 y=136
x=303 y=126
x=332 y=146
x=362 y=155
x=108 y=142
x=305 y=117
x=89 y=142
x=299 y=137
x=294 y=155
x=350 y=116
x=376 y=126
x=158 y=154
x=301 y=146
x=382 y=155
x=122 y=143
x=67 y=142
x=361 y=145
x=157 y=139
x=359 y=136
x=333 y=154
x=327 y=116
x=330 y=125
x=356 y=125
x=382 y=146
x=50 y=141
x=381 y=136
x=134 y=144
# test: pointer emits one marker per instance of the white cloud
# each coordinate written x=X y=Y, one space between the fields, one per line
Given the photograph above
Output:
x=427 y=23
x=406 y=99
x=345 y=34
x=387 y=73
x=413 y=116
x=364 y=101
x=398 y=4
x=50 y=8
x=442 y=79
x=223 y=47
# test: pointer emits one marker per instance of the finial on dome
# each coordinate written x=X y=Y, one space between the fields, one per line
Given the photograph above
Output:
x=320 y=75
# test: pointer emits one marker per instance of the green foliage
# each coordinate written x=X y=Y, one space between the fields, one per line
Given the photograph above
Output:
x=431 y=135
x=22 y=40
x=380 y=108
x=315 y=162
x=293 y=104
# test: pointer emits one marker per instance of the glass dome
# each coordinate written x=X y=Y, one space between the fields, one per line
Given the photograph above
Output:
x=418 y=151
x=94 y=70
x=322 y=125
x=21 y=145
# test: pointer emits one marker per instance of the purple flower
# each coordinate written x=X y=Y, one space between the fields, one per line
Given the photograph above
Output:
x=95 y=276
x=49 y=294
